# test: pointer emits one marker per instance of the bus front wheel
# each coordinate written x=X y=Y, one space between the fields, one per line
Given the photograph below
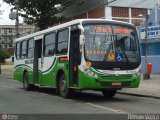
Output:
x=109 y=93
x=63 y=90
x=26 y=85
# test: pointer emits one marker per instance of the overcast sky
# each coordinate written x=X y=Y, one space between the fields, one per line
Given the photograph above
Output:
x=4 y=18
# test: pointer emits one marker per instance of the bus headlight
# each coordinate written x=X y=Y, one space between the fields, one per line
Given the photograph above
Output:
x=89 y=73
x=138 y=73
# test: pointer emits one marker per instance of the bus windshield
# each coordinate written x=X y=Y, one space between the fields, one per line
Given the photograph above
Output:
x=112 y=43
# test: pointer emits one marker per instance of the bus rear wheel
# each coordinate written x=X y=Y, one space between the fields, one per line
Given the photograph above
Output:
x=26 y=85
x=62 y=86
x=109 y=93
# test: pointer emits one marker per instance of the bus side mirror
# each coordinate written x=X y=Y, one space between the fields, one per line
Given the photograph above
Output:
x=81 y=28
x=82 y=40
x=82 y=37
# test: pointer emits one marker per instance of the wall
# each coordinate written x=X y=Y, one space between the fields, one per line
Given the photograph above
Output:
x=82 y=6
x=155 y=60
x=153 y=43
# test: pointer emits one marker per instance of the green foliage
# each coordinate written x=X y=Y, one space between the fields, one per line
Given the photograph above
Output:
x=4 y=55
x=40 y=13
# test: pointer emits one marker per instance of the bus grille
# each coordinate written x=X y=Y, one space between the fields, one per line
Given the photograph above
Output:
x=115 y=78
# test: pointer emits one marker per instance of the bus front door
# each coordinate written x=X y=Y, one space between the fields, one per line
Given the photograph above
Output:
x=74 y=58
x=37 y=61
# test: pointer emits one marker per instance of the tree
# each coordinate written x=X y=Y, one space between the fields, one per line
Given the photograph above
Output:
x=41 y=13
x=3 y=55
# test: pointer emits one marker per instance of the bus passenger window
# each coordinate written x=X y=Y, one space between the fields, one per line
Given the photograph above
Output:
x=62 y=46
x=30 y=48
x=17 y=51
x=49 y=44
x=23 y=51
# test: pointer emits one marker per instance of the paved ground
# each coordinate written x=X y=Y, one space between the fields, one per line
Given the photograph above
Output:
x=149 y=88
x=13 y=99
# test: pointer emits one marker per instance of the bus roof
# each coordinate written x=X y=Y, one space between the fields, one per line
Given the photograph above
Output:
x=77 y=21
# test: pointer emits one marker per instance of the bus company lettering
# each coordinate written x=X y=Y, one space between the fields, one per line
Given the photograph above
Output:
x=61 y=65
x=30 y=61
x=96 y=52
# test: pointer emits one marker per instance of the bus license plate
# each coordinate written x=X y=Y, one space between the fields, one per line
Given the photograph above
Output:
x=116 y=83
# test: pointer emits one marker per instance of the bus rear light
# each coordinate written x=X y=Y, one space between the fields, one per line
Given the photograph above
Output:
x=63 y=59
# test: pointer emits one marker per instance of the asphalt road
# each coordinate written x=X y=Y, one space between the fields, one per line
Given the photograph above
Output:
x=13 y=99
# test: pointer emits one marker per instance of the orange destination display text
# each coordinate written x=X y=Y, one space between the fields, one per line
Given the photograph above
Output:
x=103 y=29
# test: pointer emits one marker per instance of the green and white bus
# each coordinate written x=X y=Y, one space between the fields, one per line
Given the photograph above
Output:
x=83 y=54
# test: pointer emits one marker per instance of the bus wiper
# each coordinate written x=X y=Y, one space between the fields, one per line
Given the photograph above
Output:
x=95 y=34
x=106 y=39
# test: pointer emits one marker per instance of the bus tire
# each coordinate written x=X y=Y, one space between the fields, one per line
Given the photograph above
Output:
x=26 y=85
x=62 y=86
x=109 y=93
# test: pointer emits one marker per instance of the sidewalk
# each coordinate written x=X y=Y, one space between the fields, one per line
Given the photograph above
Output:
x=7 y=74
x=7 y=71
x=147 y=88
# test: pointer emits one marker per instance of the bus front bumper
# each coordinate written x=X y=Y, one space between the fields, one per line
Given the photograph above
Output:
x=108 y=81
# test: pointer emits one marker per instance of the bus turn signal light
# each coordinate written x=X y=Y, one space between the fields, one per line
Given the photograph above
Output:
x=63 y=59
x=88 y=64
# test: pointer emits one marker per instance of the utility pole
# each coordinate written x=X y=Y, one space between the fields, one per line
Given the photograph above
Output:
x=0 y=48
x=0 y=61
x=17 y=20
x=0 y=58
x=146 y=74
x=14 y=16
x=0 y=66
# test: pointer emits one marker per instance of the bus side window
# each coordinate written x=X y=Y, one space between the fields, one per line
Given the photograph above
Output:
x=17 y=51
x=23 y=49
x=62 y=45
x=49 y=44
x=30 y=48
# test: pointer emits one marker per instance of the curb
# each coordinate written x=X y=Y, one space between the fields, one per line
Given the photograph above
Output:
x=139 y=95
x=3 y=76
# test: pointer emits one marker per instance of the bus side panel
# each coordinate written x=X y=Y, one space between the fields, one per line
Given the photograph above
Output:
x=18 y=65
x=50 y=77
x=86 y=82
x=48 y=72
x=31 y=81
x=17 y=73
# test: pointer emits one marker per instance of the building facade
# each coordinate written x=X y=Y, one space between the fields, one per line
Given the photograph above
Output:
x=153 y=40
x=8 y=34
x=126 y=10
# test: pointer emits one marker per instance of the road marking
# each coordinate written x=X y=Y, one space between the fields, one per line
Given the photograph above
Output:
x=5 y=86
x=106 y=108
